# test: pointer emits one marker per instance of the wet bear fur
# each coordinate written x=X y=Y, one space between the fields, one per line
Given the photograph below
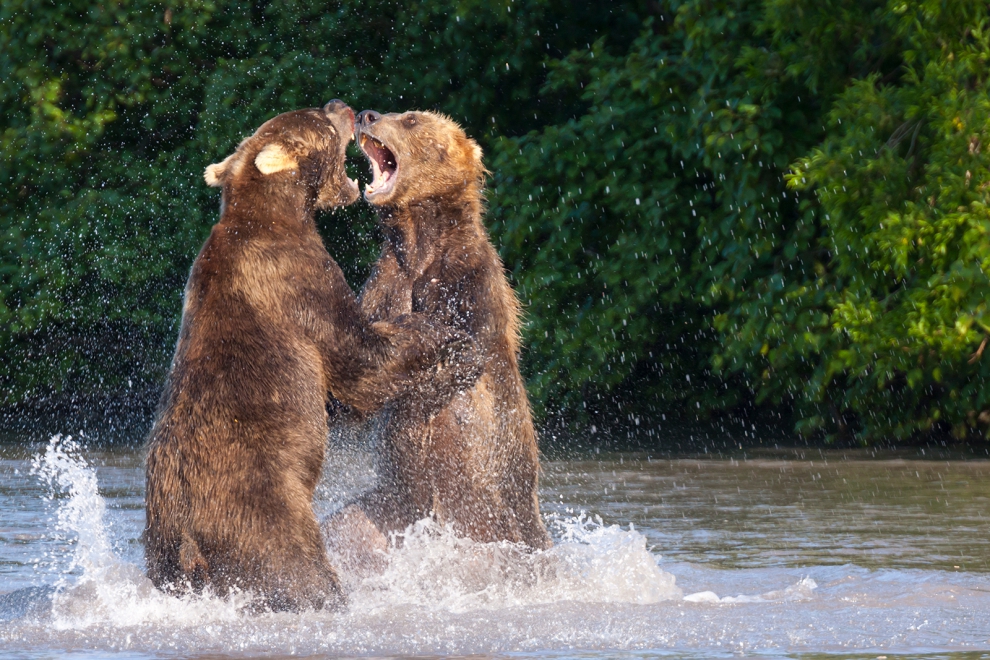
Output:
x=471 y=462
x=269 y=328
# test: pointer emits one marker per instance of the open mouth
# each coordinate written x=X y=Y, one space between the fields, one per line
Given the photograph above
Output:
x=383 y=165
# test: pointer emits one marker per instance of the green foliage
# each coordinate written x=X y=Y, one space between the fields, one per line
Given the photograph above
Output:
x=703 y=203
x=676 y=221
x=85 y=268
x=779 y=200
x=902 y=182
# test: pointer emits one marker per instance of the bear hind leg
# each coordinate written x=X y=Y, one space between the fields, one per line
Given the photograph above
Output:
x=193 y=566
x=356 y=544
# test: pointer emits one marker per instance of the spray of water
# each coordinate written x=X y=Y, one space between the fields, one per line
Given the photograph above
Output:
x=429 y=566
x=79 y=509
x=433 y=568
x=106 y=590
x=599 y=587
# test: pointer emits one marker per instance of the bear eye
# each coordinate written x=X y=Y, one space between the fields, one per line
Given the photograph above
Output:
x=410 y=120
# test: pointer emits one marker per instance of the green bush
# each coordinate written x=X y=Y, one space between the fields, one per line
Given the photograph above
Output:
x=776 y=200
x=901 y=180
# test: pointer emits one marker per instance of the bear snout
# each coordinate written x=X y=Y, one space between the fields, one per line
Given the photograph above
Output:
x=335 y=106
x=367 y=117
x=341 y=116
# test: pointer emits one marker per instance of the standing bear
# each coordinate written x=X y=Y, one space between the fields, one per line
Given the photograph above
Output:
x=470 y=461
x=269 y=327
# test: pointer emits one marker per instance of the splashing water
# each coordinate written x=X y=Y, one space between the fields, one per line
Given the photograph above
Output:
x=107 y=590
x=431 y=571
x=599 y=589
x=592 y=563
x=82 y=513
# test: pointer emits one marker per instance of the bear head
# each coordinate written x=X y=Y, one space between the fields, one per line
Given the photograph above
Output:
x=301 y=153
x=418 y=155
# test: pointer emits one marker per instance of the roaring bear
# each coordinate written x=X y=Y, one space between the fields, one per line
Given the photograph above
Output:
x=468 y=459
x=269 y=328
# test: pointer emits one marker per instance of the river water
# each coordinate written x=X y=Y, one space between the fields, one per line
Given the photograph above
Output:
x=795 y=553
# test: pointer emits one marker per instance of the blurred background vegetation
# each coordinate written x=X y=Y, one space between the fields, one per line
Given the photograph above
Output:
x=713 y=211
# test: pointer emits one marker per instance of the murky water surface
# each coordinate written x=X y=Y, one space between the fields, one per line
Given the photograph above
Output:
x=785 y=554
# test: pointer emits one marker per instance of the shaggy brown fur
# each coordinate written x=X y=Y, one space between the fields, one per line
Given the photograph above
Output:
x=269 y=326
x=473 y=462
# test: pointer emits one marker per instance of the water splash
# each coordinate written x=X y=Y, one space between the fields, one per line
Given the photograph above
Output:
x=107 y=590
x=604 y=563
x=598 y=590
x=433 y=568
x=429 y=566
x=80 y=511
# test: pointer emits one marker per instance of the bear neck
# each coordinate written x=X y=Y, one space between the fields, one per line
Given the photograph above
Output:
x=415 y=230
x=263 y=206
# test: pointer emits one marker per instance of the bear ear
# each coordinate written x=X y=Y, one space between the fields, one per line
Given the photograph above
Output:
x=274 y=158
x=476 y=151
x=217 y=172
x=472 y=152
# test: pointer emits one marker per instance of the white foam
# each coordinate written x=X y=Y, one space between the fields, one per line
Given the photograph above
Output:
x=431 y=567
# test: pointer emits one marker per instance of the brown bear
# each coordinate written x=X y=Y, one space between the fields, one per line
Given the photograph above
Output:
x=269 y=327
x=473 y=462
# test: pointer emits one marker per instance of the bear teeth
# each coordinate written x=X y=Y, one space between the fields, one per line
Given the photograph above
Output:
x=383 y=164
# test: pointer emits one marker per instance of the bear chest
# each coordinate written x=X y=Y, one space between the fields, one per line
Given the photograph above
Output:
x=435 y=296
